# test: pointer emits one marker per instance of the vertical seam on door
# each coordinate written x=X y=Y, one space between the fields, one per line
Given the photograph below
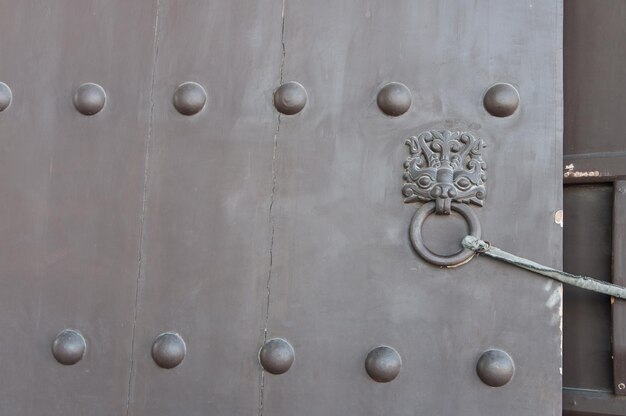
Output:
x=270 y=210
x=140 y=268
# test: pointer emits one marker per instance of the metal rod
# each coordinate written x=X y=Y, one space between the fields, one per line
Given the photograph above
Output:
x=583 y=282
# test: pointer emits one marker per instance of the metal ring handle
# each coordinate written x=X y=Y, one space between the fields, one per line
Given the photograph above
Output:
x=415 y=233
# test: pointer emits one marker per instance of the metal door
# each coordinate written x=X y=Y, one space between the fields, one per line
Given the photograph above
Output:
x=233 y=227
x=206 y=236
x=71 y=184
x=344 y=278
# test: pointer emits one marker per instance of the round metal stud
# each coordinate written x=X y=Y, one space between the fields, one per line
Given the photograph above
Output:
x=394 y=99
x=290 y=98
x=501 y=100
x=276 y=356
x=69 y=347
x=89 y=99
x=5 y=96
x=383 y=364
x=495 y=368
x=189 y=98
x=168 y=350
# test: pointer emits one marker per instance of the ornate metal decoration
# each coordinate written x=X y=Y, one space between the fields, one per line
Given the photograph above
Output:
x=444 y=166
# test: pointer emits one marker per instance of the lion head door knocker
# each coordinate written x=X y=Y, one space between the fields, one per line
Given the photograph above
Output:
x=445 y=170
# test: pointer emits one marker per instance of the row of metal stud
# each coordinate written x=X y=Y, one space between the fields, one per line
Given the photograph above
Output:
x=394 y=99
x=168 y=349
x=383 y=364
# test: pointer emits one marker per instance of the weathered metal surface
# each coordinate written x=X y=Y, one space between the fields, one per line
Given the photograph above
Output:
x=158 y=179
x=71 y=190
x=206 y=237
x=344 y=278
x=619 y=278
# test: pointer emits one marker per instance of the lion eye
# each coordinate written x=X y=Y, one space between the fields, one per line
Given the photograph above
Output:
x=424 y=181
x=463 y=183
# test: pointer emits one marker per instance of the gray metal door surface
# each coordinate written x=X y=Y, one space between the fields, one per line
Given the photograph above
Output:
x=71 y=189
x=236 y=208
